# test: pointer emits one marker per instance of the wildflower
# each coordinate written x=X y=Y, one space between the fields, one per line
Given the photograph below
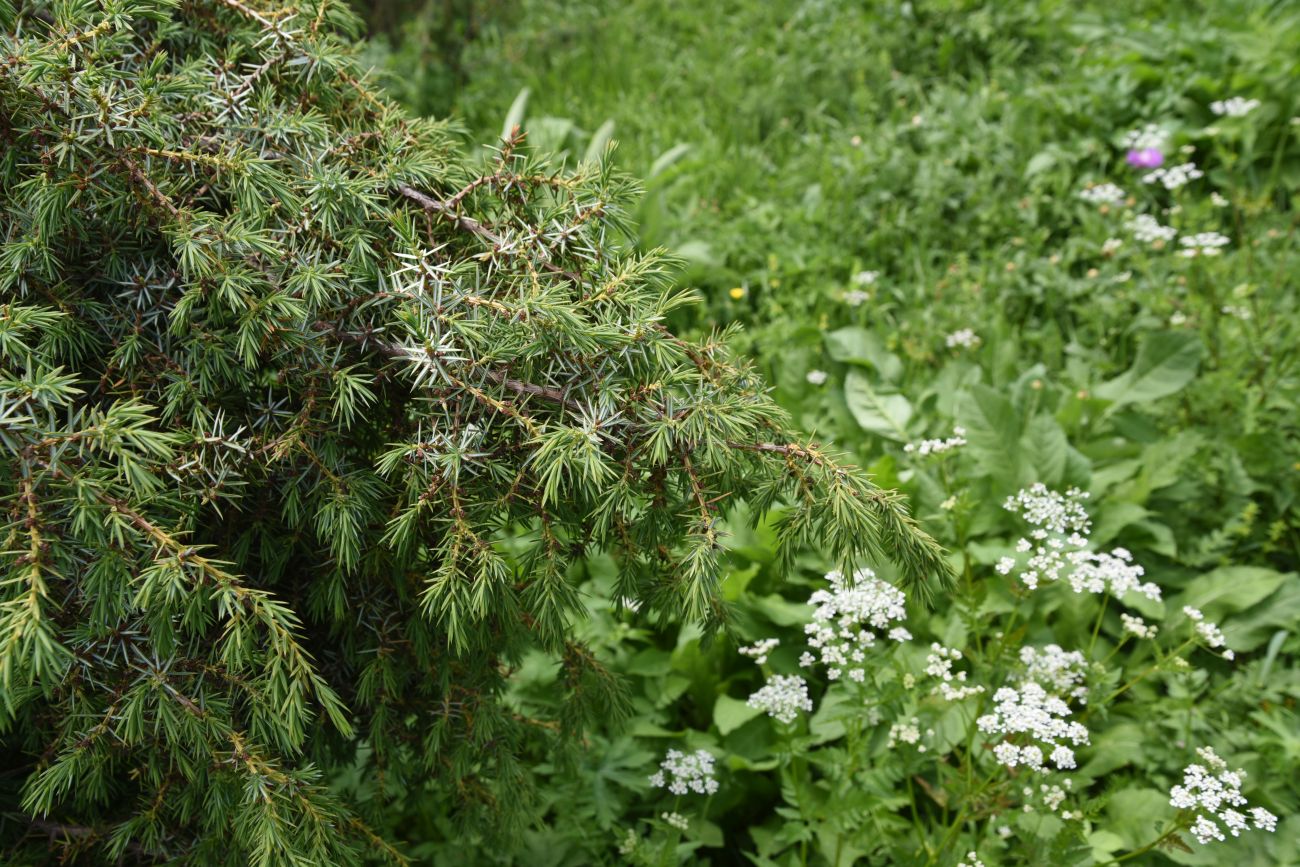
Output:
x=1058 y=513
x=856 y=297
x=1150 y=137
x=1110 y=246
x=1174 y=177
x=908 y=732
x=1053 y=667
x=1004 y=831
x=925 y=448
x=1031 y=710
x=1113 y=573
x=1218 y=200
x=865 y=278
x=963 y=337
x=845 y=618
x=782 y=698
x=1137 y=626
x=629 y=842
x=972 y=860
x=760 y=649
x=1147 y=229
x=1209 y=632
x=1203 y=244
x=676 y=820
x=1102 y=194
x=952 y=685
x=737 y=292
x=817 y=377
x=1234 y=106
x=1145 y=158
x=680 y=773
x=1214 y=792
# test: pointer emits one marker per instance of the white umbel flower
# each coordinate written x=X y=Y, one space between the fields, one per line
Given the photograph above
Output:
x=783 y=697
x=1102 y=194
x=1173 y=177
x=925 y=448
x=964 y=338
x=1235 y=106
x=759 y=650
x=681 y=773
x=846 y=619
x=1148 y=230
x=1202 y=244
x=1214 y=793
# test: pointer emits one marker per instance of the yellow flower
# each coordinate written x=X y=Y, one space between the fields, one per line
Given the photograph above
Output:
x=737 y=293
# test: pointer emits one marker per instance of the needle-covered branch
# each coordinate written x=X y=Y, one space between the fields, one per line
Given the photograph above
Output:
x=309 y=425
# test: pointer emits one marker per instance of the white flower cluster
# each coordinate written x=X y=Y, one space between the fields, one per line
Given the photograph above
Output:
x=1060 y=670
x=1052 y=797
x=1214 y=792
x=965 y=338
x=1137 y=626
x=1148 y=229
x=817 y=377
x=1060 y=546
x=676 y=820
x=1102 y=194
x=1114 y=573
x=925 y=448
x=1234 y=106
x=1203 y=244
x=680 y=773
x=1173 y=177
x=908 y=732
x=1209 y=632
x=782 y=697
x=844 y=621
x=972 y=859
x=856 y=297
x=1031 y=710
x=760 y=649
x=952 y=685
x=1051 y=510
x=1110 y=246
x=866 y=278
x=1150 y=136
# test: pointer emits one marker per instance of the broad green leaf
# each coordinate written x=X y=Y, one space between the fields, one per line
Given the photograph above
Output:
x=1166 y=362
x=1231 y=588
x=730 y=714
x=1137 y=815
x=993 y=431
x=1046 y=449
x=859 y=346
x=1246 y=632
x=884 y=413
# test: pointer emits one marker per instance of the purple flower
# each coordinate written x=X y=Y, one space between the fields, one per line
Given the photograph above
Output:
x=1145 y=158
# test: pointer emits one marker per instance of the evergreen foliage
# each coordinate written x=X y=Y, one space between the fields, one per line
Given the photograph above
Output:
x=308 y=424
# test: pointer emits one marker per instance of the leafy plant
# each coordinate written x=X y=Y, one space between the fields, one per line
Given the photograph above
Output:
x=309 y=426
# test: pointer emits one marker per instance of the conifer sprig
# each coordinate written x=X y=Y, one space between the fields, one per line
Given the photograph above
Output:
x=308 y=424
